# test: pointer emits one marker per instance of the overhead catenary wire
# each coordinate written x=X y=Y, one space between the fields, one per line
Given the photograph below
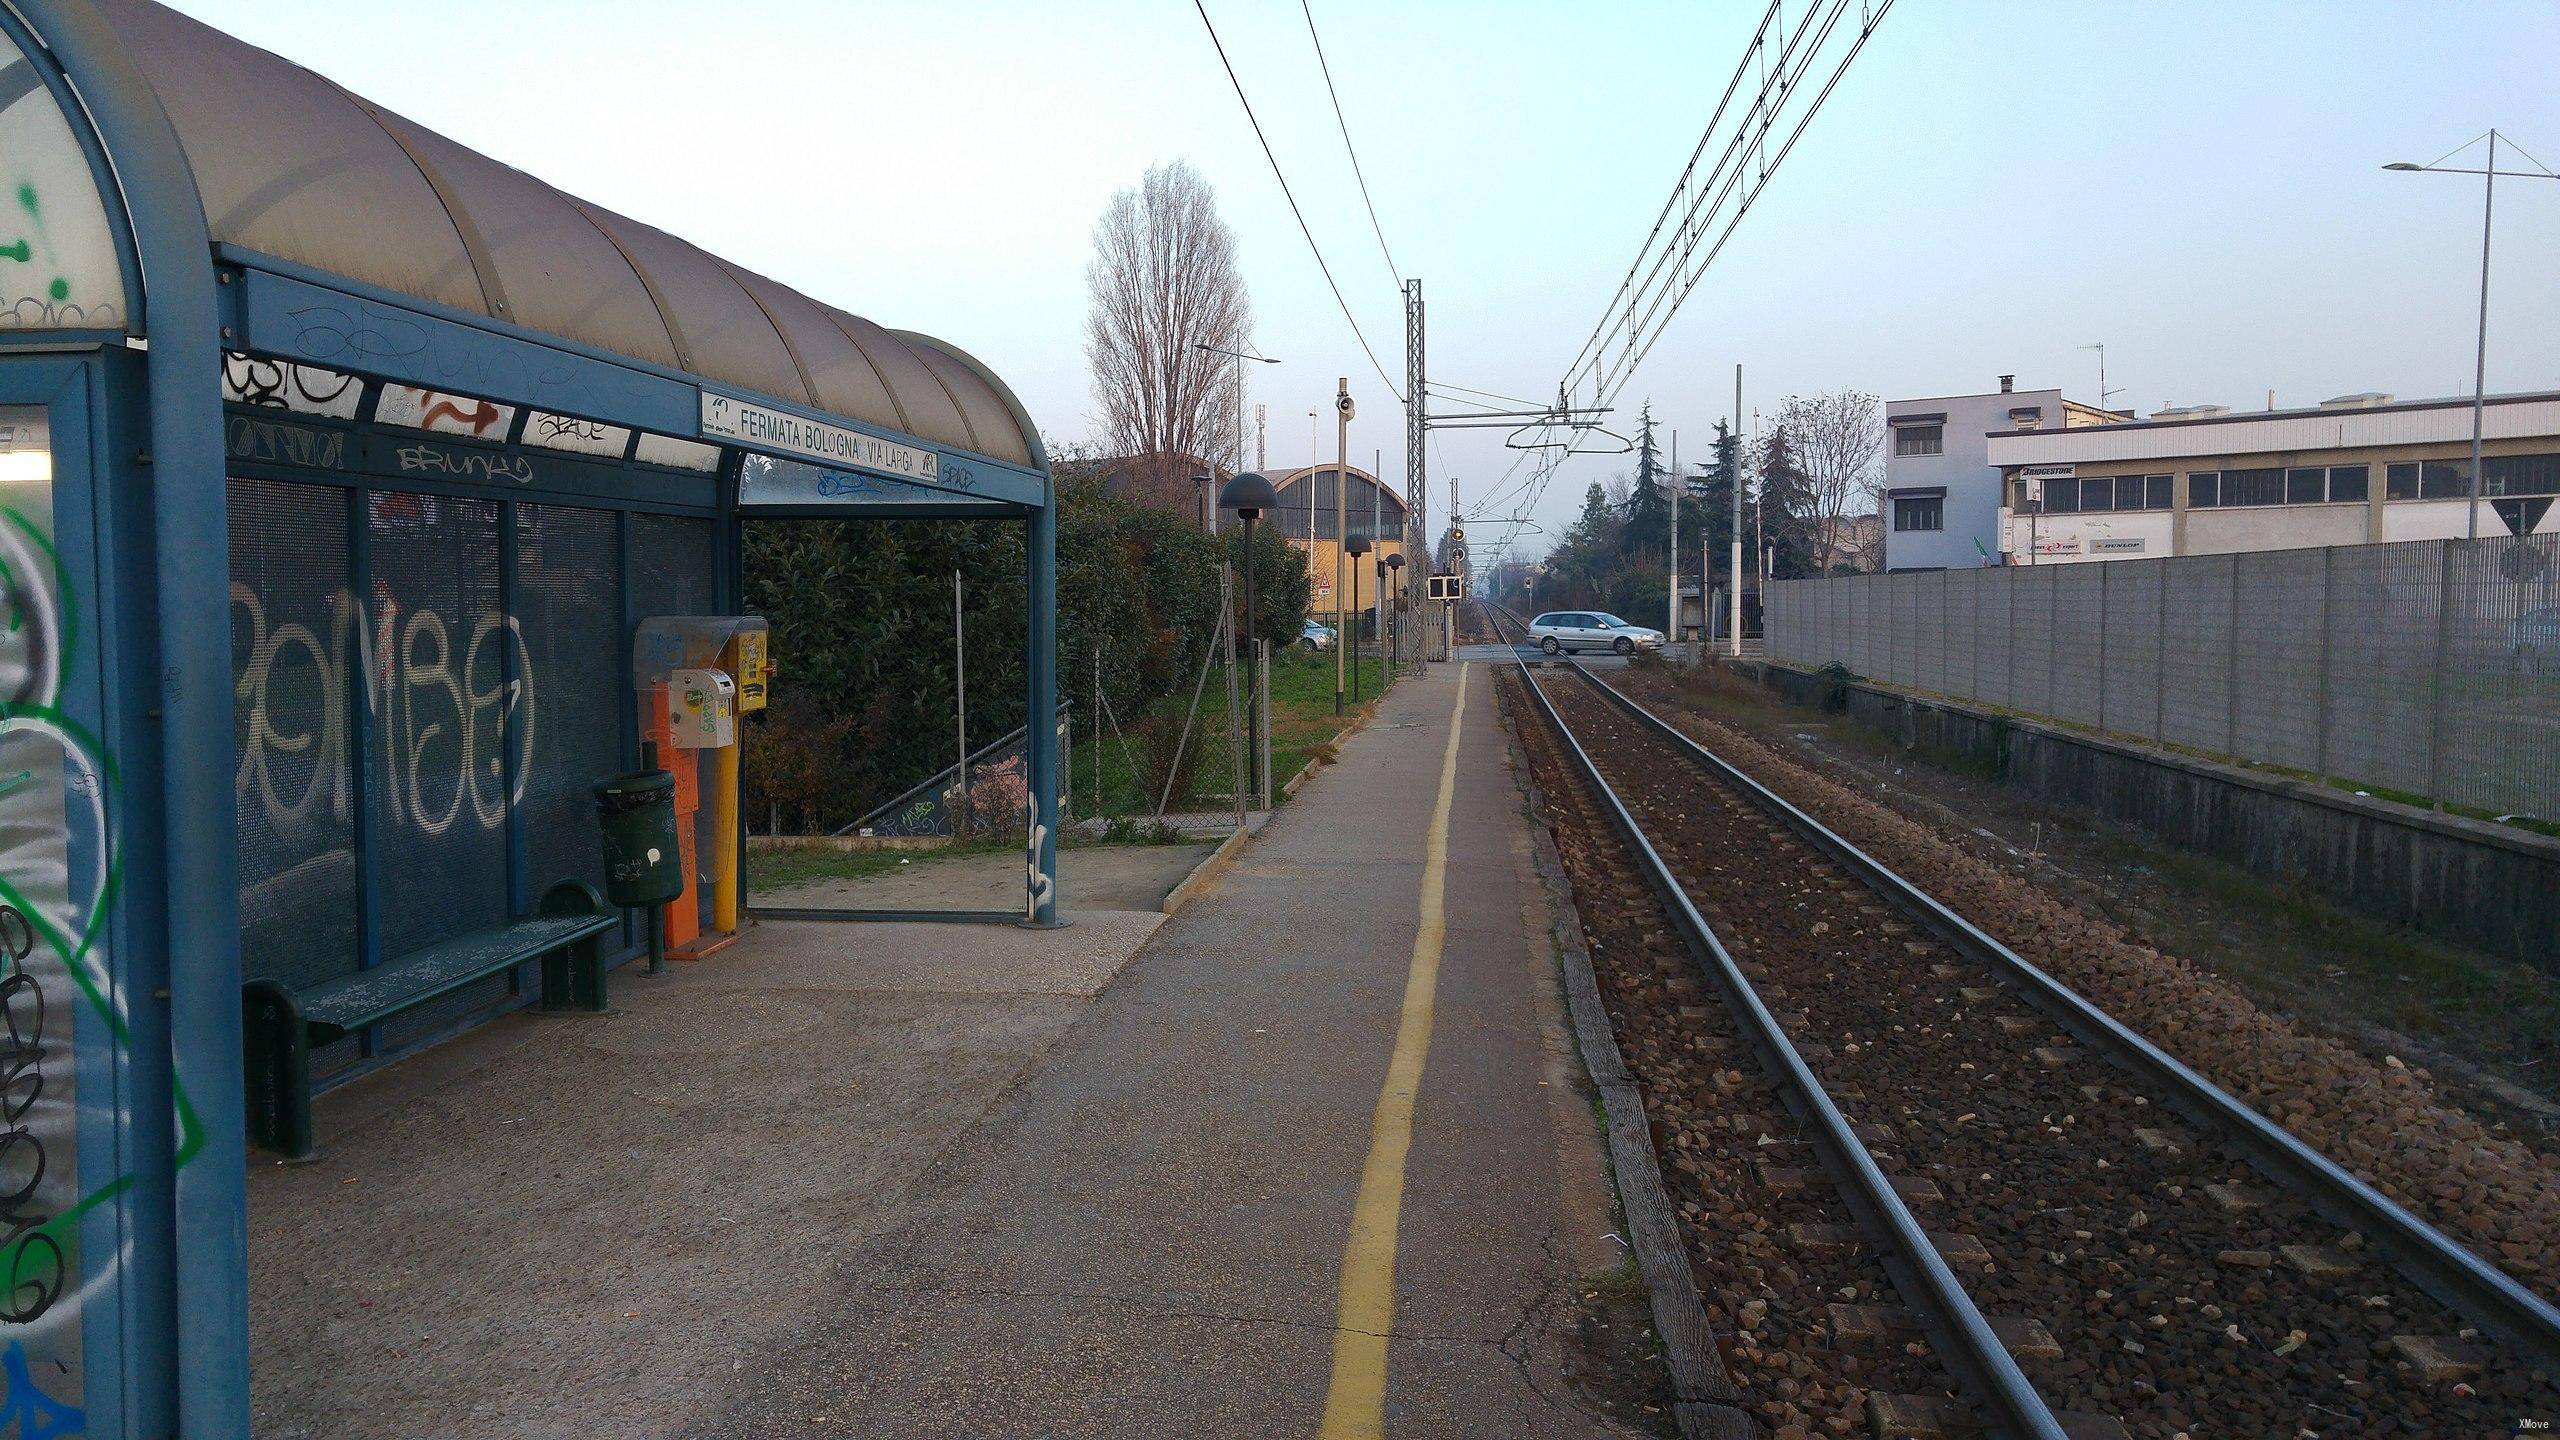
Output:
x=1665 y=272
x=1394 y=274
x=1282 y=176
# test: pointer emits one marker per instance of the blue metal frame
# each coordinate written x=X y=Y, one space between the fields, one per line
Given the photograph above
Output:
x=169 y=1350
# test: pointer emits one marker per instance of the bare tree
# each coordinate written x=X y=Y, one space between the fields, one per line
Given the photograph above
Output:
x=1164 y=282
x=1838 y=440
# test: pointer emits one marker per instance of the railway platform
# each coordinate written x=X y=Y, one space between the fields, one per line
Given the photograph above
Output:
x=1312 y=1156
x=1316 y=1163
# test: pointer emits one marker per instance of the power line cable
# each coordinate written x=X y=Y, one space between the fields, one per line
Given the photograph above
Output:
x=1280 y=175
x=1393 y=273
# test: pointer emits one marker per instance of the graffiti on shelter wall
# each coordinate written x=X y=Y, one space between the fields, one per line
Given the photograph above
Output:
x=437 y=691
x=57 y=869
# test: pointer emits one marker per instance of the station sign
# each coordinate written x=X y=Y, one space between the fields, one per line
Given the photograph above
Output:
x=748 y=423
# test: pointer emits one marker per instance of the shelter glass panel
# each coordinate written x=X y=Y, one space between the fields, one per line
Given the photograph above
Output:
x=573 y=685
x=58 y=263
x=440 y=703
x=295 y=633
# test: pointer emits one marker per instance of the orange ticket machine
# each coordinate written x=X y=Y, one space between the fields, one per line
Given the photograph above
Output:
x=694 y=676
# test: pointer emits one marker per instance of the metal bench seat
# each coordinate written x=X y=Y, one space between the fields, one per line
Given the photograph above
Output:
x=281 y=1024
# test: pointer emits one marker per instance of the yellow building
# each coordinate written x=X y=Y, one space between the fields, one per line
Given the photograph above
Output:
x=1370 y=509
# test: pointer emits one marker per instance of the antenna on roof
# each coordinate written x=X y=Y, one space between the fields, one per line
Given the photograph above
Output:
x=2103 y=392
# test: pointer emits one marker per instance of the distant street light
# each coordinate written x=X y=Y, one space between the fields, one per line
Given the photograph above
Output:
x=1239 y=357
x=1249 y=494
x=2480 y=355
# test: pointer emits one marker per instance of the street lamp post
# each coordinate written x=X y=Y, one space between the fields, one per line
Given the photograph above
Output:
x=1239 y=357
x=1395 y=600
x=1342 y=412
x=1249 y=494
x=1356 y=547
x=2480 y=354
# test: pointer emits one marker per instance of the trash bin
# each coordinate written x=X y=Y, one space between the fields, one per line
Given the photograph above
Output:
x=643 y=861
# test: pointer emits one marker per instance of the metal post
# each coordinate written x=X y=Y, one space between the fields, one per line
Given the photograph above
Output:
x=1737 y=519
x=2160 y=659
x=1096 y=712
x=2328 y=583
x=1040 y=741
x=960 y=705
x=2440 y=691
x=1416 y=421
x=1257 y=724
x=1341 y=518
x=1235 y=717
x=2480 y=356
x=1672 y=633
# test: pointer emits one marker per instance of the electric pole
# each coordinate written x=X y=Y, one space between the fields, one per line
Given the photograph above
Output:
x=1737 y=518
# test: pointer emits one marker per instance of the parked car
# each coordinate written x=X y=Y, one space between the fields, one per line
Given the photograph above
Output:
x=1315 y=636
x=1557 y=631
x=2533 y=641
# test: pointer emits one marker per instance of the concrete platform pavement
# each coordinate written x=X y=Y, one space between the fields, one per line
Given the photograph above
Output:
x=1147 y=1236
x=934 y=1179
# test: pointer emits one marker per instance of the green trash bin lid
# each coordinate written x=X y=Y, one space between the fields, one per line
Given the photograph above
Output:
x=637 y=791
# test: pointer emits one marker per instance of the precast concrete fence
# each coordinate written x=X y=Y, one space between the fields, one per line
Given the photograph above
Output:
x=2430 y=668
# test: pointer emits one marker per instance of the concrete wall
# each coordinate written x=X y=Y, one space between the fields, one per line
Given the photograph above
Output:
x=2491 y=887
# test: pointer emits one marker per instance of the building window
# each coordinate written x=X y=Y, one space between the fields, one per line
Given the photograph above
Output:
x=2130 y=494
x=2520 y=475
x=1919 y=439
x=2305 y=485
x=2349 y=482
x=2253 y=487
x=2204 y=489
x=2444 y=480
x=2400 y=482
x=1919 y=512
x=2097 y=492
x=2062 y=497
x=2156 y=492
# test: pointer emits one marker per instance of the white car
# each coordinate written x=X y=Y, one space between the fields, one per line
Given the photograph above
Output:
x=2533 y=641
x=1557 y=631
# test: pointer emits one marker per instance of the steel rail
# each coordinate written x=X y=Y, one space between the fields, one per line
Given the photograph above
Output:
x=1968 y=1343
x=2436 y=1262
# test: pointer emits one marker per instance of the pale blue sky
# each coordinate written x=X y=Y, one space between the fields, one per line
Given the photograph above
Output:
x=1994 y=185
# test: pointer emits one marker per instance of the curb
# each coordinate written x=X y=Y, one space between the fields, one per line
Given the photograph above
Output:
x=1704 y=1398
x=1207 y=872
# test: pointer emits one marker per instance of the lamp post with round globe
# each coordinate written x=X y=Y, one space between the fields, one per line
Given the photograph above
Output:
x=1250 y=494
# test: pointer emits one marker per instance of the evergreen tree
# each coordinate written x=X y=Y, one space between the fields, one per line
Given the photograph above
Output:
x=1647 y=536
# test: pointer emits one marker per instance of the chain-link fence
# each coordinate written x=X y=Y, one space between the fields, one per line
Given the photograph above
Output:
x=2430 y=668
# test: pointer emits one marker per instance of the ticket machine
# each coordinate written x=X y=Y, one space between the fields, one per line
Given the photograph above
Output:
x=693 y=677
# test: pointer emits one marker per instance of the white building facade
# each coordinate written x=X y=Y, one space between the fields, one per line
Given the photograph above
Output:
x=1942 y=494
x=2360 y=469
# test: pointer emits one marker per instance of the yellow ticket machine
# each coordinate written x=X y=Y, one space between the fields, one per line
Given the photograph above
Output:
x=694 y=676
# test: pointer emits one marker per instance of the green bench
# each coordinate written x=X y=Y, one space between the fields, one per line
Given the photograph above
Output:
x=282 y=1024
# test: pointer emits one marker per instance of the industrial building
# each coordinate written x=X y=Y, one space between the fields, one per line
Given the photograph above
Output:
x=2201 y=480
x=1942 y=501
x=1305 y=517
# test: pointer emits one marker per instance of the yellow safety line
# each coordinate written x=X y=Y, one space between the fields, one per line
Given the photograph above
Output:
x=1355 y=1402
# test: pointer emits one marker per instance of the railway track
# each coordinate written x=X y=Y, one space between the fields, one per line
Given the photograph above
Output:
x=2022 y=1215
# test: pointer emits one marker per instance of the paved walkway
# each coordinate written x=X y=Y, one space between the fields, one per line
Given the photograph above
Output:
x=935 y=1179
x=1147 y=1238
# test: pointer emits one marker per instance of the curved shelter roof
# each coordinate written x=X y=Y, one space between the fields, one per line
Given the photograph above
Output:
x=290 y=165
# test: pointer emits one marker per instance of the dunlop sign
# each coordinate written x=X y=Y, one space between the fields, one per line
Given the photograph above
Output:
x=730 y=418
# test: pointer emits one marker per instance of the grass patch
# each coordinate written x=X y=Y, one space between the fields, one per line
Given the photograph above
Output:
x=766 y=870
x=1620 y=1284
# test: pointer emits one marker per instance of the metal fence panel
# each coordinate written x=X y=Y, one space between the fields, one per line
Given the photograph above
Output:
x=2277 y=659
x=1991 y=683
x=2430 y=668
x=2382 y=658
x=2133 y=644
x=2195 y=662
x=2077 y=634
